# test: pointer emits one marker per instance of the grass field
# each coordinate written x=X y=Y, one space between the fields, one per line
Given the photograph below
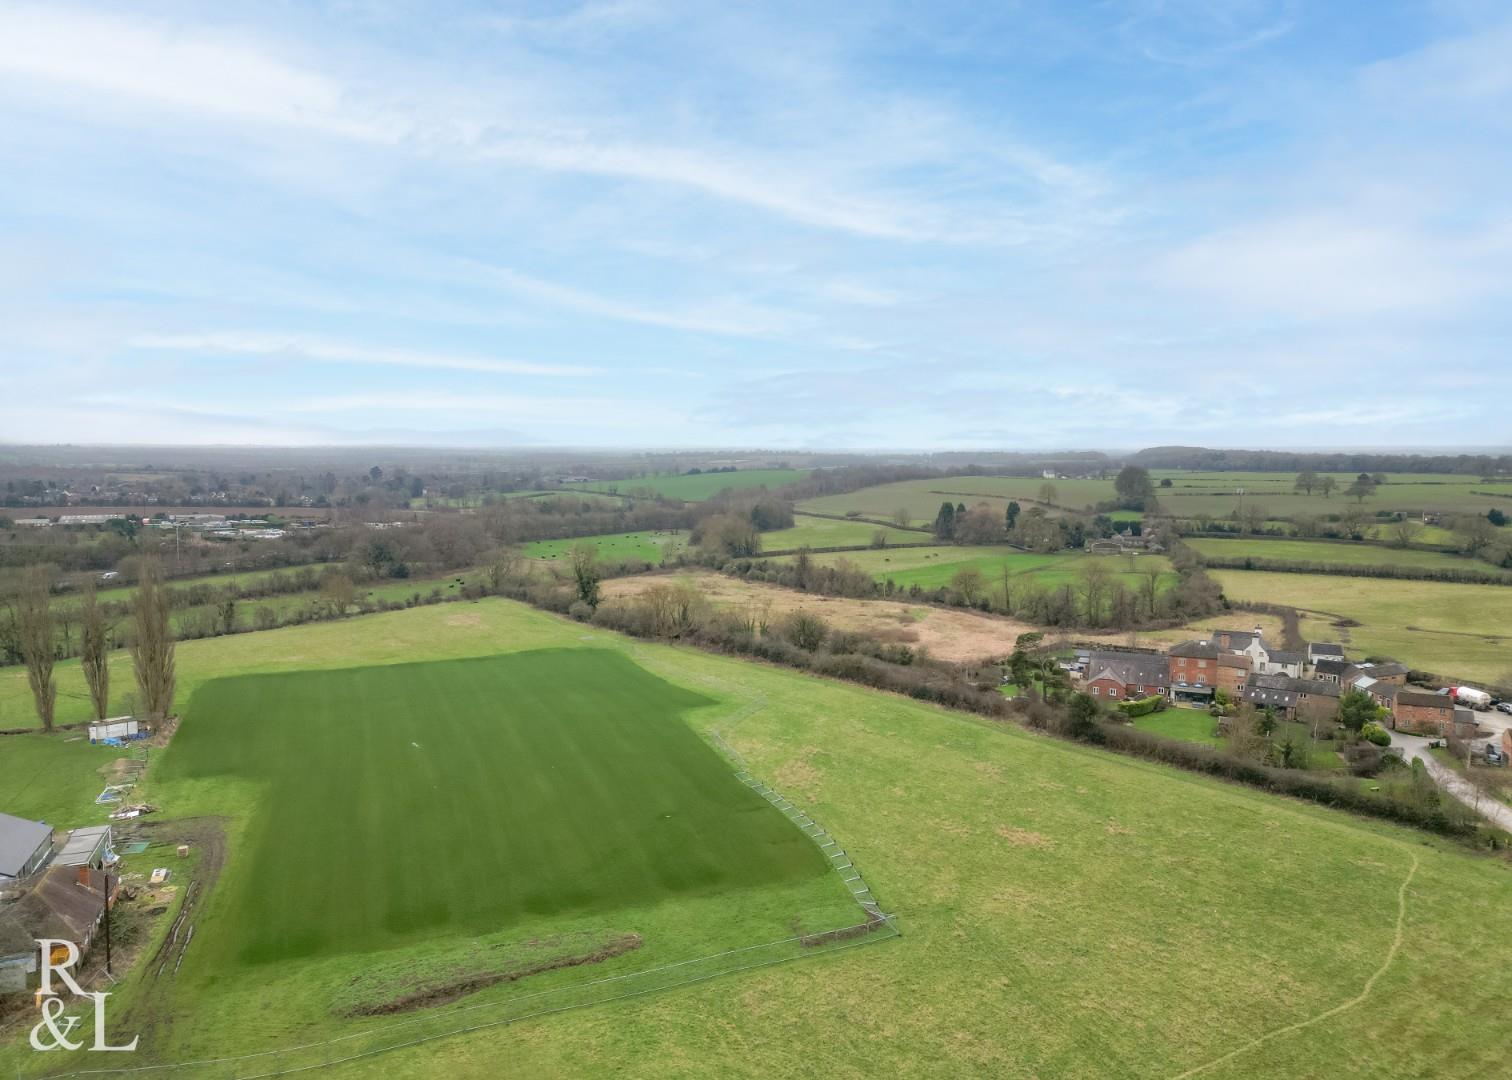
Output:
x=1336 y=554
x=933 y=567
x=1042 y=887
x=922 y=498
x=826 y=532
x=1214 y=494
x=649 y=547
x=596 y=794
x=698 y=487
x=1453 y=630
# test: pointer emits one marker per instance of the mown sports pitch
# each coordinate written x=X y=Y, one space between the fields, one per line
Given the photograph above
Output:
x=469 y=795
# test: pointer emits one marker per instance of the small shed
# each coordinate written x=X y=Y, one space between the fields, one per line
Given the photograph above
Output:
x=89 y=846
x=119 y=727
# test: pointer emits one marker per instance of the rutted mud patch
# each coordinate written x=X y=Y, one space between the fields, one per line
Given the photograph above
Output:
x=436 y=993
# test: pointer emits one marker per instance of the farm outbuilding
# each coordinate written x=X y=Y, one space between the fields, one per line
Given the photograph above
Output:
x=119 y=727
x=24 y=846
x=89 y=846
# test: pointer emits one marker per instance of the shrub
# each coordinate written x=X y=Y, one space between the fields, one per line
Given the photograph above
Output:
x=1375 y=733
x=1142 y=707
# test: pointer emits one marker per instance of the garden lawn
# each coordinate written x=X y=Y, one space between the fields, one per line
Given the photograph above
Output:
x=1458 y=631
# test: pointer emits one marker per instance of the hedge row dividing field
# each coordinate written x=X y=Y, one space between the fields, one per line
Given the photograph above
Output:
x=1043 y=887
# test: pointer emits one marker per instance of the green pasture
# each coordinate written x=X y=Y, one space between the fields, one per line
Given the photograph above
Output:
x=922 y=498
x=697 y=487
x=1459 y=631
x=1190 y=494
x=934 y=567
x=529 y=785
x=826 y=532
x=1334 y=554
x=1042 y=888
x=649 y=546
x=1218 y=494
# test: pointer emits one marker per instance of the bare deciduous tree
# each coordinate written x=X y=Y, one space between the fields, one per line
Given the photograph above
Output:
x=94 y=652
x=1095 y=579
x=970 y=583
x=152 y=650
x=35 y=629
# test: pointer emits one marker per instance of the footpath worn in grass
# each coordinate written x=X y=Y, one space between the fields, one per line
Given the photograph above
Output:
x=1066 y=912
x=467 y=795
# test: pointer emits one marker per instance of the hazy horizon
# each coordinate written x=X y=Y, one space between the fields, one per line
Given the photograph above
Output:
x=636 y=222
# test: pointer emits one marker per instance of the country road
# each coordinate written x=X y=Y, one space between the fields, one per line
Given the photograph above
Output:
x=1493 y=810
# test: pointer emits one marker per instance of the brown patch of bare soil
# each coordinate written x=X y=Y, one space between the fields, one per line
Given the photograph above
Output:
x=1023 y=837
x=958 y=636
x=444 y=993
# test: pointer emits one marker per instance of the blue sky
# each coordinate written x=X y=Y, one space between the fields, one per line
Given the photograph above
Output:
x=954 y=226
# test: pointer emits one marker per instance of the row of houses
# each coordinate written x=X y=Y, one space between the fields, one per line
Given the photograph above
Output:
x=1304 y=684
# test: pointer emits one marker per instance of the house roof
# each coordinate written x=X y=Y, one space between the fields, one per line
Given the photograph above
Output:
x=1196 y=647
x=1234 y=660
x=1141 y=669
x=1424 y=699
x=19 y=838
x=1238 y=639
x=1325 y=648
x=1264 y=695
x=59 y=901
x=81 y=845
x=1298 y=687
x=1329 y=665
x=1281 y=656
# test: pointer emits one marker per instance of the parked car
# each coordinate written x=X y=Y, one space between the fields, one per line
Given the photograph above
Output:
x=1504 y=706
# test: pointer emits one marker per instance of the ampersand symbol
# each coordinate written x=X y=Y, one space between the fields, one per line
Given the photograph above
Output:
x=52 y=1008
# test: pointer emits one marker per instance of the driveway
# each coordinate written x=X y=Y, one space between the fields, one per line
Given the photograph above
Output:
x=1494 y=811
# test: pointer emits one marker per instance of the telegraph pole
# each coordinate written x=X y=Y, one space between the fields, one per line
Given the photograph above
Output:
x=107 y=924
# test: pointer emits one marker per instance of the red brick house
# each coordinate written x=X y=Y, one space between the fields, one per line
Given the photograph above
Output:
x=1423 y=711
x=1193 y=663
x=1118 y=676
x=1232 y=671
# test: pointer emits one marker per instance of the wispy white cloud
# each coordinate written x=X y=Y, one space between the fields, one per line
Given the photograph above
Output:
x=294 y=347
x=731 y=316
